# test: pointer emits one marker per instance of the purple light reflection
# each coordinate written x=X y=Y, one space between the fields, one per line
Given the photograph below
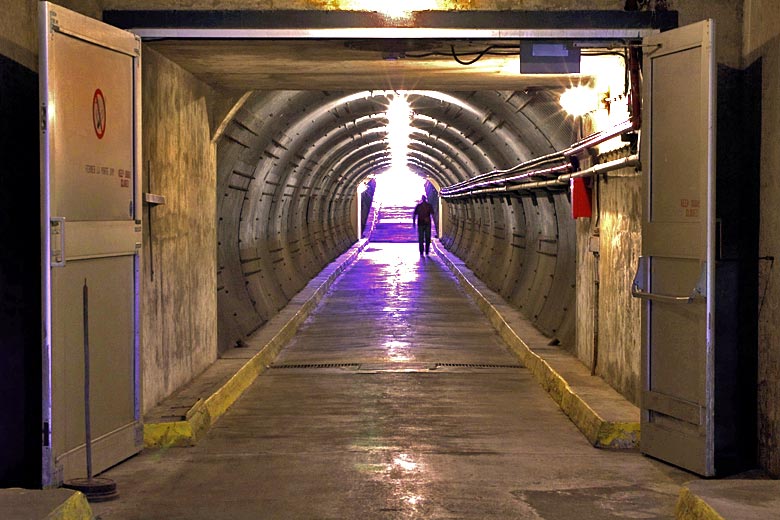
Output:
x=398 y=279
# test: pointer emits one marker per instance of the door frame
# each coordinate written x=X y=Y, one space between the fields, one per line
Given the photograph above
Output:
x=204 y=31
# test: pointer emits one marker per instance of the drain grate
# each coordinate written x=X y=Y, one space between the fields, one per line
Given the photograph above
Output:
x=375 y=366
x=476 y=365
x=318 y=365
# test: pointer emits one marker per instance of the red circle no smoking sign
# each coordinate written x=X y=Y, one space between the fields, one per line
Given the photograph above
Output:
x=99 y=113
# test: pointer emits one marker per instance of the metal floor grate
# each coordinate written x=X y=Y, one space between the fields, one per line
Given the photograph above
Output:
x=318 y=365
x=374 y=366
x=476 y=365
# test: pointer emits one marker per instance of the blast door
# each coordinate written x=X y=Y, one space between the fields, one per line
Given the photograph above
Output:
x=675 y=277
x=90 y=157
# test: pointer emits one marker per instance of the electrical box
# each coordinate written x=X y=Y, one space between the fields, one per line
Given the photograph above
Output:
x=549 y=57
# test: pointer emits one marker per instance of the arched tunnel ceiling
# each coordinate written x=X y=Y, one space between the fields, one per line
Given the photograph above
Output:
x=494 y=117
x=321 y=137
x=469 y=118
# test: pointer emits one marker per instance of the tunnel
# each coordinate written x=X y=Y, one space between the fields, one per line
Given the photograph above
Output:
x=286 y=190
x=290 y=161
x=263 y=152
x=543 y=204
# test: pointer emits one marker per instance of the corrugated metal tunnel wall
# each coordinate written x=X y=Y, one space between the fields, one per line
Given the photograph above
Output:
x=289 y=163
x=523 y=248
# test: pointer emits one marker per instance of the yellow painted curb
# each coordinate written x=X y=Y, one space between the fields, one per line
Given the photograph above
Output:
x=205 y=413
x=600 y=433
x=168 y=434
x=619 y=435
x=76 y=507
x=691 y=507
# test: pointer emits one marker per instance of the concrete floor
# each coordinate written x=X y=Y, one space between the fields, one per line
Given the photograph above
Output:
x=398 y=400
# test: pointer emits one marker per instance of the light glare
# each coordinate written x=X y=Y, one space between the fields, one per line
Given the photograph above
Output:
x=578 y=101
x=390 y=8
x=608 y=72
x=405 y=462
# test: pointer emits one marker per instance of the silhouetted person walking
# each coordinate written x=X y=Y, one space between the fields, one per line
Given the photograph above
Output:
x=422 y=217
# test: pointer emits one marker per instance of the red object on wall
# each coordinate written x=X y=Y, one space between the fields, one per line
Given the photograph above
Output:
x=580 y=198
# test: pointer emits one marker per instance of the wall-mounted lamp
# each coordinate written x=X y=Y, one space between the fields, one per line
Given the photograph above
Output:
x=578 y=101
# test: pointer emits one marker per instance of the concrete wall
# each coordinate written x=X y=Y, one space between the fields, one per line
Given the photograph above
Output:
x=18 y=33
x=608 y=246
x=19 y=27
x=728 y=24
x=619 y=313
x=587 y=292
x=179 y=285
x=285 y=200
x=608 y=319
x=762 y=42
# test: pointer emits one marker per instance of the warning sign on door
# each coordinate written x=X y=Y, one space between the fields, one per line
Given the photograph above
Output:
x=99 y=113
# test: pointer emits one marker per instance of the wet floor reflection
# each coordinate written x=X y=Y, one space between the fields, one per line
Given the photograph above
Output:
x=400 y=279
x=398 y=351
x=409 y=310
x=393 y=306
x=396 y=311
x=394 y=439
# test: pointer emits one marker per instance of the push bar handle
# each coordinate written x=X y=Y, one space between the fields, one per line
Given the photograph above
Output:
x=636 y=292
x=698 y=294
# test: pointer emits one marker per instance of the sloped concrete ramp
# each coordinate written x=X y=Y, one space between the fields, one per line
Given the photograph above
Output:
x=396 y=399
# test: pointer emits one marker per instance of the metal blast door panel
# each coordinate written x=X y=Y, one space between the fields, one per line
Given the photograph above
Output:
x=675 y=276
x=90 y=182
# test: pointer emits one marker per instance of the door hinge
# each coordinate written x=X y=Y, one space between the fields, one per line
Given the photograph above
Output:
x=46 y=433
x=54 y=24
x=43 y=118
x=57 y=240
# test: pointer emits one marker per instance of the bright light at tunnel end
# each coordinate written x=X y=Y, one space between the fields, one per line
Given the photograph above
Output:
x=399 y=188
x=399 y=128
x=398 y=185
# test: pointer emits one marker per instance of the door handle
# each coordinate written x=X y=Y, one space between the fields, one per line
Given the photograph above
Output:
x=57 y=240
x=698 y=293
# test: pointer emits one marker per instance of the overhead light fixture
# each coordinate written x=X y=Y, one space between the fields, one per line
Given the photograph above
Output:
x=391 y=8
